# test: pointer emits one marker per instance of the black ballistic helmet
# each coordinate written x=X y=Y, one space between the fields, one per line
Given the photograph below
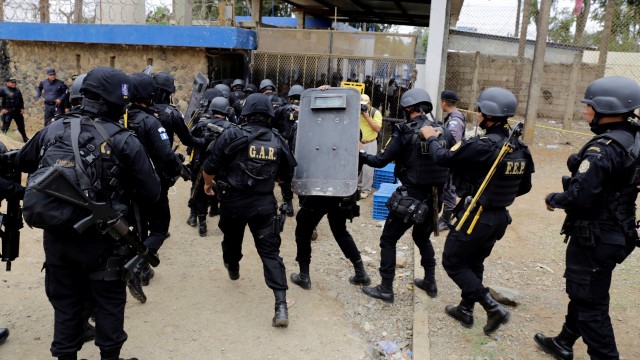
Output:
x=224 y=89
x=219 y=105
x=497 y=102
x=142 y=86
x=295 y=90
x=266 y=83
x=416 y=96
x=74 y=90
x=613 y=95
x=250 y=89
x=257 y=104
x=165 y=82
x=210 y=94
x=111 y=85
x=238 y=82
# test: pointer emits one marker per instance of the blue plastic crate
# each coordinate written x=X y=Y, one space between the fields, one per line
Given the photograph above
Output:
x=380 y=197
x=384 y=175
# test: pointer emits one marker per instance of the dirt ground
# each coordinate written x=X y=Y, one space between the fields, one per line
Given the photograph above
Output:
x=195 y=312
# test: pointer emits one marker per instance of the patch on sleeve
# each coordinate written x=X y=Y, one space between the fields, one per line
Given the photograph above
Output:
x=584 y=166
x=594 y=148
x=456 y=146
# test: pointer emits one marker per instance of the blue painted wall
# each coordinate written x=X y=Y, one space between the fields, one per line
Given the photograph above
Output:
x=155 y=35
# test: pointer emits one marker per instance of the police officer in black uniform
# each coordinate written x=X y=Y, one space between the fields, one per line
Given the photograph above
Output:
x=227 y=94
x=52 y=93
x=246 y=161
x=238 y=95
x=12 y=107
x=470 y=160
x=208 y=128
x=76 y=263
x=422 y=179
x=268 y=88
x=599 y=199
x=153 y=136
x=286 y=118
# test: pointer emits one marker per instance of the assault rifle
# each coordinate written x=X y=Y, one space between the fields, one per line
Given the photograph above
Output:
x=55 y=183
x=11 y=222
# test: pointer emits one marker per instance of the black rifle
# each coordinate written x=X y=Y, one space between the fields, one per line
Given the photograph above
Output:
x=55 y=183
x=12 y=220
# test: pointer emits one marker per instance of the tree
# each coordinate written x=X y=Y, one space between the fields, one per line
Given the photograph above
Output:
x=159 y=16
x=560 y=28
x=43 y=11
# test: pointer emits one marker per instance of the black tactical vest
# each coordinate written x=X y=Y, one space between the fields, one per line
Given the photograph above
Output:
x=415 y=166
x=503 y=187
x=10 y=98
x=99 y=157
x=622 y=193
x=255 y=165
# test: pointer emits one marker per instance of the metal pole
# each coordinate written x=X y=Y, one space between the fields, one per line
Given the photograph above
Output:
x=537 y=71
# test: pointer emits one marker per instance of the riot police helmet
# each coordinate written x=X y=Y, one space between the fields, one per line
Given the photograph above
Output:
x=417 y=97
x=3 y=148
x=74 y=90
x=296 y=90
x=250 y=89
x=266 y=84
x=142 y=86
x=211 y=93
x=613 y=95
x=165 y=82
x=257 y=104
x=497 y=102
x=224 y=89
x=219 y=105
x=237 y=83
x=107 y=84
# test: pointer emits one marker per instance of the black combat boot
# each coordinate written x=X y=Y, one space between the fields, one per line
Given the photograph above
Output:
x=135 y=288
x=428 y=284
x=112 y=354
x=560 y=346
x=463 y=312
x=302 y=278
x=73 y=356
x=289 y=203
x=361 y=277
x=4 y=334
x=192 y=220
x=281 y=317
x=233 y=270
x=496 y=313
x=445 y=220
x=145 y=272
x=384 y=291
x=202 y=225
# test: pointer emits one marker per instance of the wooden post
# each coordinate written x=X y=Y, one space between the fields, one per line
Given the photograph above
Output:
x=474 y=86
x=570 y=108
x=537 y=71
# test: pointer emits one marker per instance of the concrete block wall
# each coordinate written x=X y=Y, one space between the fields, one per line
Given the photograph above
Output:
x=501 y=71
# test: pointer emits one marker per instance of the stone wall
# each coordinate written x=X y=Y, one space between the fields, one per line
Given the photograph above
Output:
x=28 y=61
x=500 y=71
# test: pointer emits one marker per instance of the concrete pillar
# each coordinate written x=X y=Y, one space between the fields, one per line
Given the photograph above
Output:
x=256 y=11
x=183 y=12
x=299 y=18
x=436 y=57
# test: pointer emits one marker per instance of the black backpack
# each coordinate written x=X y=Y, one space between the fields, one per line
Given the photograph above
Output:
x=83 y=167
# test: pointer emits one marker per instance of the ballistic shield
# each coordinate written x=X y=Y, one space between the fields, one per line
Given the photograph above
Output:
x=327 y=142
x=200 y=84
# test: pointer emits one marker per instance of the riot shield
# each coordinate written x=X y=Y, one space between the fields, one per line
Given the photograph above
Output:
x=327 y=142
x=200 y=84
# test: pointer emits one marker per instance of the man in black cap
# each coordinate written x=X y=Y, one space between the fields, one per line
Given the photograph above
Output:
x=454 y=121
x=52 y=93
x=12 y=107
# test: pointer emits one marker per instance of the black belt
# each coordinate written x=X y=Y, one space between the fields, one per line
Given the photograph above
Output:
x=49 y=102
